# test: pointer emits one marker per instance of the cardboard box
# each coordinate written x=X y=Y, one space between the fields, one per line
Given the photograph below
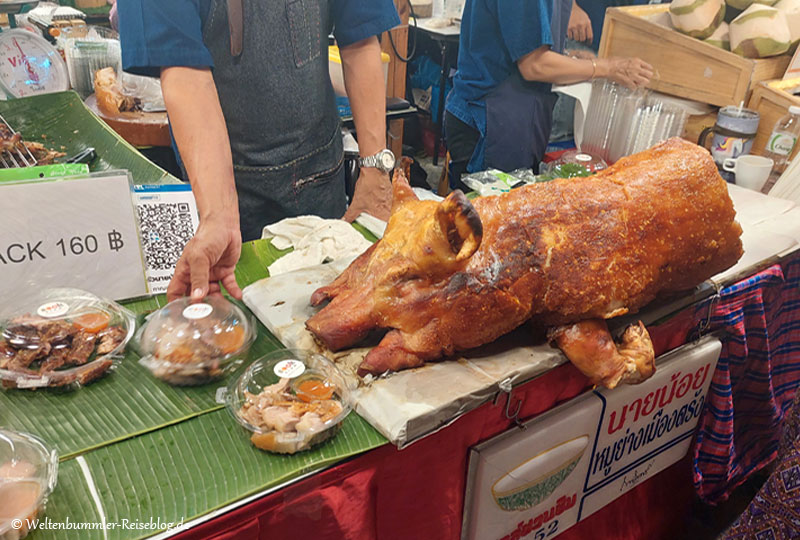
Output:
x=684 y=66
x=772 y=100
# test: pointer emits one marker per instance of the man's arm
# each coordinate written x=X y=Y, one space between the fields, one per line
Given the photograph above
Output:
x=544 y=65
x=202 y=136
x=363 y=80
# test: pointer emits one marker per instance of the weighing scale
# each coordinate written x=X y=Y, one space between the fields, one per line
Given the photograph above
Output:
x=29 y=65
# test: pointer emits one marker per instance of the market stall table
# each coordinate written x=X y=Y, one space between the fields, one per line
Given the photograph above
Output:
x=133 y=448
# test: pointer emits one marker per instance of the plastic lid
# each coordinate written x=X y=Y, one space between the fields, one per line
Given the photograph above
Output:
x=591 y=162
x=55 y=335
x=181 y=333
x=794 y=109
x=28 y=475
x=311 y=389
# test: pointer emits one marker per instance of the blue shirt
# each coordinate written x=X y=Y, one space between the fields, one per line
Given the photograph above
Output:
x=596 y=10
x=164 y=33
x=494 y=35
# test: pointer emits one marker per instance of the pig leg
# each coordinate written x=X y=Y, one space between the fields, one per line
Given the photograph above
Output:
x=391 y=354
x=400 y=350
x=590 y=347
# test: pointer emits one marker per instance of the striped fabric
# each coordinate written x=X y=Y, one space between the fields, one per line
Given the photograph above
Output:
x=755 y=381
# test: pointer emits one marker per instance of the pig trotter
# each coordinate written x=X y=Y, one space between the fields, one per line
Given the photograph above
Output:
x=590 y=347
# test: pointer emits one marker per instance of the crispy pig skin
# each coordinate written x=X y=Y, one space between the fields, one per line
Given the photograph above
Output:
x=559 y=252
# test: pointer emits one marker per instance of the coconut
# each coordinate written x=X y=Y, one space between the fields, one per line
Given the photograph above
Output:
x=791 y=10
x=760 y=31
x=744 y=4
x=720 y=37
x=697 y=18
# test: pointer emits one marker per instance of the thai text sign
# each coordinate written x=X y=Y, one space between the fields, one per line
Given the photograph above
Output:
x=572 y=461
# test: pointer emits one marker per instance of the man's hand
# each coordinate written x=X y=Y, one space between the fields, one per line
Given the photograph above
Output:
x=373 y=195
x=631 y=72
x=208 y=260
x=579 y=27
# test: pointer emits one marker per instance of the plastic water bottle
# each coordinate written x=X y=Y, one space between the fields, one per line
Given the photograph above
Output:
x=781 y=143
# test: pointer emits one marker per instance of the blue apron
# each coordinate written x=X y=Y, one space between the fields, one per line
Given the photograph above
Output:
x=271 y=73
x=519 y=113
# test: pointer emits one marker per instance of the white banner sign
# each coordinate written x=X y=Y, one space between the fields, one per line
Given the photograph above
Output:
x=70 y=232
x=574 y=460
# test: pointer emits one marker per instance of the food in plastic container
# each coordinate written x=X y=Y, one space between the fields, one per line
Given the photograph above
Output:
x=290 y=400
x=188 y=344
x=28 y=475
x=697 y=18
x=586 y=160
x=61 y=338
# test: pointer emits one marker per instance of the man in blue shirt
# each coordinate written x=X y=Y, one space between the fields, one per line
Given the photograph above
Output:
x=499 y=113
x=253 y=113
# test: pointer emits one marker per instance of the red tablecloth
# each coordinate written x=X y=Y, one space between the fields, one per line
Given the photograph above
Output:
x=418 y=493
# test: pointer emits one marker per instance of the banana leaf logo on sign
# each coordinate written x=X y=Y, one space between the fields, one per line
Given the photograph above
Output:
x=577 y=458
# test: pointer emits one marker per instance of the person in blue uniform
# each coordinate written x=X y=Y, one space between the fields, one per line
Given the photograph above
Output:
x=499 y=112
x=253 y=113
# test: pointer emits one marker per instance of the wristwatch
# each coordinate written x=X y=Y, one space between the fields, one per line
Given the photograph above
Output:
x=383 y=161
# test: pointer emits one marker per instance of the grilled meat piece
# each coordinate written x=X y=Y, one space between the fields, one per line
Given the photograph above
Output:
x=56 y=359
x=82 y=347
x=56 y=333
x=8 y=139
x=25 y=357
x=42 y=154
x=110 y=338
x=7 y=353
x=23 y=336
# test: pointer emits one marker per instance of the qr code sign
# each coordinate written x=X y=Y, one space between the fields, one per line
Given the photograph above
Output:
x=165 y=230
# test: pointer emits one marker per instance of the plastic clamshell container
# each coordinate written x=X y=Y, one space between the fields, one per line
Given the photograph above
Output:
x=300 y=377
x=62 y=322
x=28 y=475
x=588 y=161
x=187 y=344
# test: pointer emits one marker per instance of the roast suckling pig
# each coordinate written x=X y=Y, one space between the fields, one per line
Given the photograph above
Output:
x=567 y=254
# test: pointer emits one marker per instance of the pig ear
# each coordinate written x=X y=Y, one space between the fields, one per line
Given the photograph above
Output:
x=461 y=224
x=401 y=190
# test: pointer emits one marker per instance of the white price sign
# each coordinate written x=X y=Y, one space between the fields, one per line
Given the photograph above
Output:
x=70 y=232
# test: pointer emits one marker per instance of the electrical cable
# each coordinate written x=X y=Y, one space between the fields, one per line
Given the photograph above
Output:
x=406 y=59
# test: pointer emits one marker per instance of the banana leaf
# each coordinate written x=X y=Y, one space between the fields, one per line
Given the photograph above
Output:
x=129 y=401
x=182 y=472
x=62 y=122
